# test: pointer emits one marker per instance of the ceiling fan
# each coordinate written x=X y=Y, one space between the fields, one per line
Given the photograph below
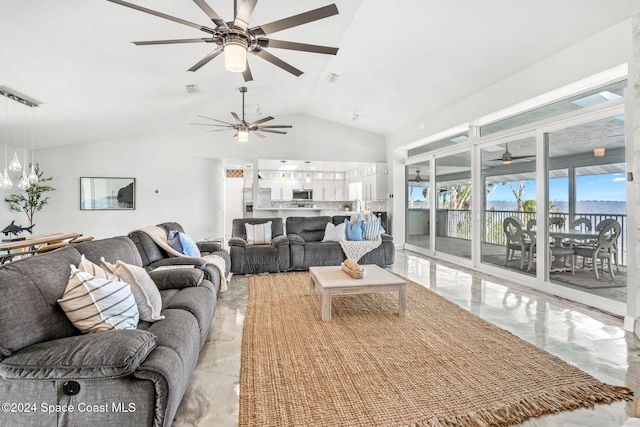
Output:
x=507 y=157
x=235 y=38
x=417 y=178
x=242 y=127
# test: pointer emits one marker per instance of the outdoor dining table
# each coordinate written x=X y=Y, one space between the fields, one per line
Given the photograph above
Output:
x=572 y=234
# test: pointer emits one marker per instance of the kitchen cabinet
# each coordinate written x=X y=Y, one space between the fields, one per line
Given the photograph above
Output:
x=373 y=179
x=328 y=190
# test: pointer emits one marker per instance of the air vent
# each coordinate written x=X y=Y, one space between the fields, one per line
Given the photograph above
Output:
x=191 y=88
x=332 y=78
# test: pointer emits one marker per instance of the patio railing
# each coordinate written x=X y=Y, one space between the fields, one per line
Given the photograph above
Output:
x=458 y=225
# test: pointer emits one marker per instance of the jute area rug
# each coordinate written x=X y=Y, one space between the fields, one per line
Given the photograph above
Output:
x=439 y=366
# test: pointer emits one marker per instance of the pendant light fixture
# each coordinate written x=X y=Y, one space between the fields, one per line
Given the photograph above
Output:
x=15 y=165
x=6 y=182
x=283 y=178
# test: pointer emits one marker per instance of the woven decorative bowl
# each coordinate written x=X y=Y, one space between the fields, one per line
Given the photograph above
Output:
x=353 y=269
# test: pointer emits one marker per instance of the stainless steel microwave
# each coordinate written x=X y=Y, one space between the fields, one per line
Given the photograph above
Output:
x=302 y=194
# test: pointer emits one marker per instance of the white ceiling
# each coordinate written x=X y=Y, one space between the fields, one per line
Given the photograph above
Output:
x=398 y=61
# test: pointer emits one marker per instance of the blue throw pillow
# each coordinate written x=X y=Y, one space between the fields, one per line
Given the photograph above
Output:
x=189 y=247
x=355 y=232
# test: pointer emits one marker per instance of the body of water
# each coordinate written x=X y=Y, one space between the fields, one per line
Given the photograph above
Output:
x=609 y=207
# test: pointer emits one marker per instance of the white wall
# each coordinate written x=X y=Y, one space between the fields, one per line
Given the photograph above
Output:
x=601 y=52
x=185 y=166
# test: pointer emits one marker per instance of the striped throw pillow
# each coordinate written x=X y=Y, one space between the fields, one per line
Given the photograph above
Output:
x=259 y=234
x=372 y=229
x=95 y=304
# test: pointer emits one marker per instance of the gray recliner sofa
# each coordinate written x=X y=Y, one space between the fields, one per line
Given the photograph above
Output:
x=308 y=250
x=53 y=375
x=153 y=256
x=265 y=258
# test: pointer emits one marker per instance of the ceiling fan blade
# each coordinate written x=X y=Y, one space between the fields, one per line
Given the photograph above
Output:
x=520 y=157
x=215 y=18
x=206 y=59
x=262 y=120
x=276 y=61
x=216 y=120
x=216 y=130
x=282 y=44
x=246 y=74
x=211 y=124
x=273 y=131
x=258 y=134
x=275 y=127
x=244 y=14
x=164 y=15
x=295 y=20
x=235 y=116
x=152 y=42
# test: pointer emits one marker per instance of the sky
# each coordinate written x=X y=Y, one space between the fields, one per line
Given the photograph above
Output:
x=610 y=187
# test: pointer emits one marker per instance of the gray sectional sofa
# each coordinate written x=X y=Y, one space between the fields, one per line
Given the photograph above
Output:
x=307 y=248
x=53 y=375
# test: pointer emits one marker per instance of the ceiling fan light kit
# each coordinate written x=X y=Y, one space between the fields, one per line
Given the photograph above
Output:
x=235 y=54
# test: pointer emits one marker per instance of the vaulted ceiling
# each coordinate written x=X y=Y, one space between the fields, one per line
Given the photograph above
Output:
x=397 y=61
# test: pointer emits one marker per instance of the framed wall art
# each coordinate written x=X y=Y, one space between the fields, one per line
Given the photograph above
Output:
x=100 y=193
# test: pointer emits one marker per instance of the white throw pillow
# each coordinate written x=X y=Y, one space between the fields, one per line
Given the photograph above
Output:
x=95 y=304
x=143 y=287
x=258 y=234
x=93 y=269
x=335 y=233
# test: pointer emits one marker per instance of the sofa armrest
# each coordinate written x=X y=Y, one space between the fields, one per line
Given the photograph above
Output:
x=177 y=261
x=177 y=277
x=279 y=241
x=110 y=354
x=386 y=237
x=295 y=239
x=205 y=246
x=237 y=241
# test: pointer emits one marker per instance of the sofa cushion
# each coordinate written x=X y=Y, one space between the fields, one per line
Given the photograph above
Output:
x=311 y=229
x=112 y=249
x=30 y=288
x=355 y=231
x=258 y=234
x=335 y=233
x=144 y=289
x=95 y=304
x=110 y=354
x=176 y=277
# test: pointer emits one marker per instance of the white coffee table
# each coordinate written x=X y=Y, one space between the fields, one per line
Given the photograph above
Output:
x=332 y=280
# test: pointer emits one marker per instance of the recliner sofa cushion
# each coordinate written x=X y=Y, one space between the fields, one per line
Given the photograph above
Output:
x=110 y=354
x=30 y=288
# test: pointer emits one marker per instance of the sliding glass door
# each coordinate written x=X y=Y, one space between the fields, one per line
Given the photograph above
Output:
x=453 y=204
x=508 y=176
x=418 y=204
x=587 y=191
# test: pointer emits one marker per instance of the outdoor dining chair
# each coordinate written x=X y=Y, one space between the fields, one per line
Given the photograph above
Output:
x=516 y=241
x=604 y=249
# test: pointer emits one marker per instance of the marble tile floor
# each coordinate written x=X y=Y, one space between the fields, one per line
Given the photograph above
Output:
x=587 y=338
